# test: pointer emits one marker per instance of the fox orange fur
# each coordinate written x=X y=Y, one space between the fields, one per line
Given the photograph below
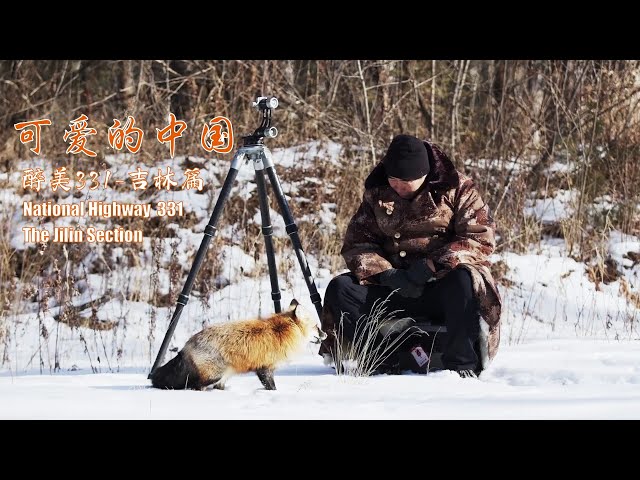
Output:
x=220 y=351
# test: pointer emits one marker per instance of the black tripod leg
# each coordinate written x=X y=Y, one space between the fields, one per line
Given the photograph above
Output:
x=209 y=232
x=267 y=232
x=292 y=230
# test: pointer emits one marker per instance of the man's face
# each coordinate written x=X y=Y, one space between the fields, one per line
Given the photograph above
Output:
x=406 y=188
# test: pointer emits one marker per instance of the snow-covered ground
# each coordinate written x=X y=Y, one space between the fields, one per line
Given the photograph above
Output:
x=542 y=379
x=568 y=349
x=547 y=367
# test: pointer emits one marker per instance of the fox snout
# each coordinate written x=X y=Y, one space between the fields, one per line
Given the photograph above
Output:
x=320 y=335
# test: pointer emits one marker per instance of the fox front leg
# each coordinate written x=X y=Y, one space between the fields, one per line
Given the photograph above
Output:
x=265 y=375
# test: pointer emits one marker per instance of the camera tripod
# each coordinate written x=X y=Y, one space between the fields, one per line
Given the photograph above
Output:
x=252 y=149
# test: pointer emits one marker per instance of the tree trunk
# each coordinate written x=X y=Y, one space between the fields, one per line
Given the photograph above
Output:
x=127 y=87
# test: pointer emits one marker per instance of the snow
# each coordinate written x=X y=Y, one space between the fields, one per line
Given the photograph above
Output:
x=553 y=208
x=621 y=244
x=324 y=218
x=307 y=153
x=560 y=167
x=569 y=349
x=559 y=358
x=553 y=379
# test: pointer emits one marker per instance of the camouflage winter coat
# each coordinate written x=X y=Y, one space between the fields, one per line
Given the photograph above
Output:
x=447 y=222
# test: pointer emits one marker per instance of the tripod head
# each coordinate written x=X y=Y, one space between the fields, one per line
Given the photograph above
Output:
x=265 y=105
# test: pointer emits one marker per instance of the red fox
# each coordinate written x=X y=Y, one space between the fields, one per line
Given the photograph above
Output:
x=220 y=351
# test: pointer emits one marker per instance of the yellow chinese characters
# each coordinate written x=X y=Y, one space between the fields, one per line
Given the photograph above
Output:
x=128 y=135
x=77 y=135
x=27 y=136
x=216 y=136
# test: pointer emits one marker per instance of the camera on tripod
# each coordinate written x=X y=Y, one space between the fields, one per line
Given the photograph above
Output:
x=254 y=150
x=265 y=105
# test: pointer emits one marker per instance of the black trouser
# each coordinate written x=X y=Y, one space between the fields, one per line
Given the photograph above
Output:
x=449 y=301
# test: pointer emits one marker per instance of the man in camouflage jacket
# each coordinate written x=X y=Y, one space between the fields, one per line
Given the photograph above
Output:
x=422 y=229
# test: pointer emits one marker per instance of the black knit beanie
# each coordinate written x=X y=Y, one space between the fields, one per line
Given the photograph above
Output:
x=407 y=158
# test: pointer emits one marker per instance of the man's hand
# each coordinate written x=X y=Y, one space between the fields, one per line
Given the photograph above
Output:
x=396 y=278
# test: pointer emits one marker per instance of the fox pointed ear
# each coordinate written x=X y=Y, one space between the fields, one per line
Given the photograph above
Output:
x=293 y=305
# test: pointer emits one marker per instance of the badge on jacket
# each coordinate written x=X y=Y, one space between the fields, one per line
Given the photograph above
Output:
x=388 y=206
